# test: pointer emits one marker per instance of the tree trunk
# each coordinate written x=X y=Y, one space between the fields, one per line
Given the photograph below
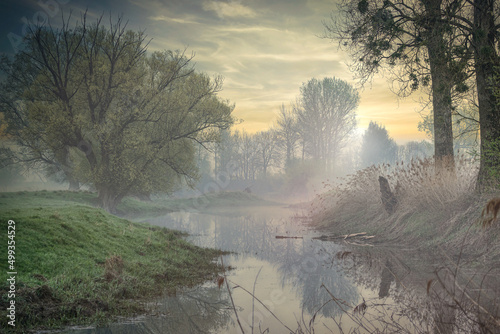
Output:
x=108 y=200
x=486 y=59
x=441 y=87
x=74 y=185
x=386 y=278
x=389 y=200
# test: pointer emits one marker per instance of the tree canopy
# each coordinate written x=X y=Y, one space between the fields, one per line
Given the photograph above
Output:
x=449 y=45
x=92 y=102
x=377 y=147
x=326 y=117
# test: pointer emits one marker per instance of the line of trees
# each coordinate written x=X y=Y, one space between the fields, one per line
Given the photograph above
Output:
x=279 y=150
x=316 y=127
x=89 y=102
x=449 y=47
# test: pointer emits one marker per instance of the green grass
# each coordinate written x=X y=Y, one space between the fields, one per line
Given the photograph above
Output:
x=131 y=207
x=80 y=265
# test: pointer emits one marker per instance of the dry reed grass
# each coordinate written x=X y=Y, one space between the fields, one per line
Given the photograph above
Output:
x=356 y=203
x=490 y=212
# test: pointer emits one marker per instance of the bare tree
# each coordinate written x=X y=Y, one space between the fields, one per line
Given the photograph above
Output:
x=287 y=134
x=326 y=117
x=267 y=150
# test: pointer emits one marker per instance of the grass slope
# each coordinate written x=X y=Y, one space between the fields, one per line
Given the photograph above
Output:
x=78 y=265
x=132 y=207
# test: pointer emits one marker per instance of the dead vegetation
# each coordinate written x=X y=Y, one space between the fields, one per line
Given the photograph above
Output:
x=427 y=206
x=490 y=212
x=434 y=211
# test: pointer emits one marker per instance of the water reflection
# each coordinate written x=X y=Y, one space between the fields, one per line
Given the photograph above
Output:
x=427 y=292
x=356 y=289
x=288 y=290
x=302 y=264
x=199 y=310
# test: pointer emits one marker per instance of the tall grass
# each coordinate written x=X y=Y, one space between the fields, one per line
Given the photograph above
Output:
x=438 y=210
x=426 y=199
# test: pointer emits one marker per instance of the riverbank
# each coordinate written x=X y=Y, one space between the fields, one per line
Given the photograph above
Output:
x=76 y=264
x=132 y=207
x=435 y=236
x=432 y=211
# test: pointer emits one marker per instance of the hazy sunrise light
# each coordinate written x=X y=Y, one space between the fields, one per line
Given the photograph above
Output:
x=264 y=50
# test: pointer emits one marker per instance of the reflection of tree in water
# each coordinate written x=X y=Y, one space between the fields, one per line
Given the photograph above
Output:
x=394 y=277
x=310 y=266
x=431 y=294
x=303 y=263
x=204 y=309
x=200 y=310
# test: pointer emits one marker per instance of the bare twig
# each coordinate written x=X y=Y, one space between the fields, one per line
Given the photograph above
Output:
x=274 y=315
x=253 y=300
x=231 y=297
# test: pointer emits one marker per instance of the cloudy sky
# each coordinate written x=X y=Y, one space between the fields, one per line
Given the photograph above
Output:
x=265 y=50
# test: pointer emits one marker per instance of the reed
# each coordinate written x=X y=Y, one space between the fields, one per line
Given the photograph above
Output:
x=427 y=200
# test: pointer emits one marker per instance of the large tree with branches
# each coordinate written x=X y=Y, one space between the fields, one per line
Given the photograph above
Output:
x=326 y=116
x=436 y=43
x=410 y=39
x=91 y=100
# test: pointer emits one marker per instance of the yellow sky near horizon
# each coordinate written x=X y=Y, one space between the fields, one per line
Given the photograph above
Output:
x=264 y=49
x=378 y=103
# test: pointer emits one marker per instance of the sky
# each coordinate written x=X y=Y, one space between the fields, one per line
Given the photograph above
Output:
x=264 y=49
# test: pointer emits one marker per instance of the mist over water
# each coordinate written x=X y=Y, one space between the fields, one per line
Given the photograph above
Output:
x=295 y=278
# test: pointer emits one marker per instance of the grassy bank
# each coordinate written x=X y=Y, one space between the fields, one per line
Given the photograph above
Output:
x=78 y=265
x=432 y=210
x=130 y=206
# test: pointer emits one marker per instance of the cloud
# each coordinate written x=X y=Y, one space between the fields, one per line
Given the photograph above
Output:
x=266 y=50
x=173 y=19
x=228 y=9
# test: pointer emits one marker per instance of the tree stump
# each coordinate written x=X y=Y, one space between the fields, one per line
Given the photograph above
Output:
x=389 y=200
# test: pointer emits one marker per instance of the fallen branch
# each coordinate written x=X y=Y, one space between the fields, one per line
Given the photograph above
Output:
x=354 y=235
x=286 y=237
x=361 y=235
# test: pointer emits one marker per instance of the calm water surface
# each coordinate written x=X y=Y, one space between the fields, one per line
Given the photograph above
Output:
x=293 y=280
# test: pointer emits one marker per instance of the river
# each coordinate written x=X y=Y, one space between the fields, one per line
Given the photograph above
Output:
x=300 y=284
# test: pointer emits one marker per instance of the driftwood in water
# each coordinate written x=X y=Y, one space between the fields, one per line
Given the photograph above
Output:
x=388 y=198
x=361 y=236
x=286 y=237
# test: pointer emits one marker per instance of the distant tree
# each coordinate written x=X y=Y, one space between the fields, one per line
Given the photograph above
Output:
x=125 y=122
x=326 y=117
x=267 y=150
x=249 y=156
x=414 y=150
x=465 y=128
x=10 y=173
x=377 y=147
x=287 y=134
x=226 y=150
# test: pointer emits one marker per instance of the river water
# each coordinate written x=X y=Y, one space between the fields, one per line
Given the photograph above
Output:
x=289 y=284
